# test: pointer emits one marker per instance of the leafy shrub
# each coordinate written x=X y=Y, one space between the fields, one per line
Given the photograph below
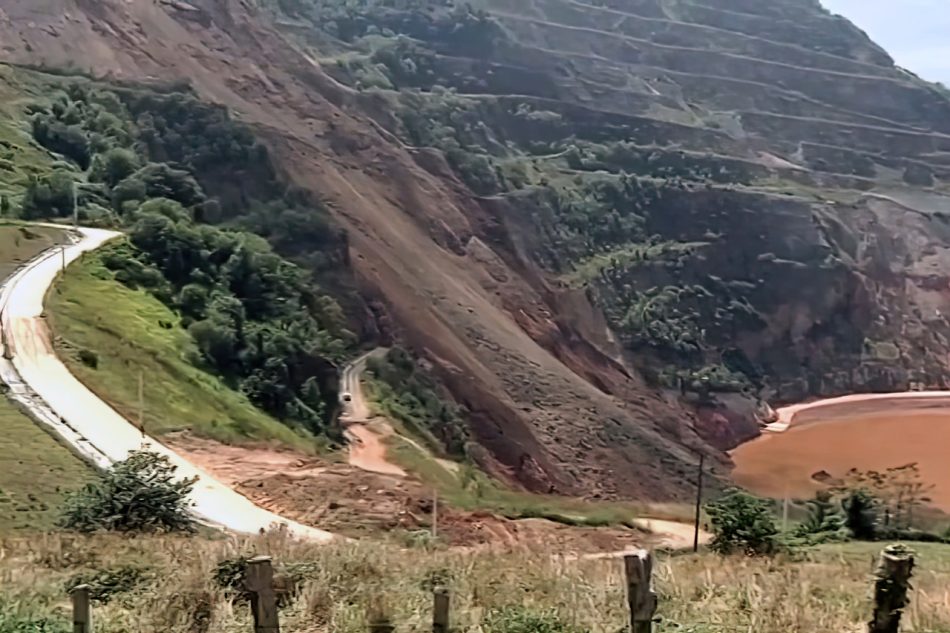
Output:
x=69 y=140
x=13 y=620
x=114 y=166
x=742 y=523
x=824 y=521
x=230 y=574
x=48 y=196
x=519 y=619
x=861 y=510
x=89 y=358
x=412 y=397
x=139 y=494
x=104 y=584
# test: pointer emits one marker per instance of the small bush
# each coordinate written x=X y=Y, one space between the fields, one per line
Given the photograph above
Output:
x=742 y=523
x=140 y=494
x=824 y=518
x=89 y=358
x=11 y=621
x=861 y=510
x=106 y=583
x=518 y=619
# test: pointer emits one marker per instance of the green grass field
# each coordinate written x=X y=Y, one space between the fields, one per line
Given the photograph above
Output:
x=36 y=472
x=131 y=334
x=20 y=243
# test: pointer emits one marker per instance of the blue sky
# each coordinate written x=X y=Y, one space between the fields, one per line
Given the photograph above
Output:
x=915 y=32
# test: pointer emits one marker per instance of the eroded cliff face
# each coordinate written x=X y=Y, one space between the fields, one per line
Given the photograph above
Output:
x=589 y=218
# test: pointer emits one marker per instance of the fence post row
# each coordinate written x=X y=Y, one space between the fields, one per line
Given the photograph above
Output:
x=892 y=584
x=640 y=595
x=82 y=613
x=260 y=583
x=890 y=588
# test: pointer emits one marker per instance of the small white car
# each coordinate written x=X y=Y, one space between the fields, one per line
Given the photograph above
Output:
x=346 y=398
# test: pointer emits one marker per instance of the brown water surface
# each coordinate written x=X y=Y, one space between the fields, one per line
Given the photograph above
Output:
x=891 y=434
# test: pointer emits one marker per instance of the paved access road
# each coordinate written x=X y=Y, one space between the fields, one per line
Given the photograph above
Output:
x=38 y=379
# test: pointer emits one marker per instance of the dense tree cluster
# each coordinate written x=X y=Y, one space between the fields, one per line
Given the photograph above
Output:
x=411 y=396
x=165 y=165
x=254 y=316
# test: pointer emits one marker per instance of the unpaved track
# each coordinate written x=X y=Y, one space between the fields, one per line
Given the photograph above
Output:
x=672 y=534
x=85 y=421
x=367 y=450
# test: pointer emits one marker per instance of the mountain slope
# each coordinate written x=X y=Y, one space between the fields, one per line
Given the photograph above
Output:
x=591 y=220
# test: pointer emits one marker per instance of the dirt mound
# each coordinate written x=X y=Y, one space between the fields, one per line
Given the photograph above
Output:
x=349 y=501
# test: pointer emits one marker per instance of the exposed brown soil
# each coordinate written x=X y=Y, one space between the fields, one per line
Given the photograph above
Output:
x=346 y=500
x=830 y=441
x=418 y=242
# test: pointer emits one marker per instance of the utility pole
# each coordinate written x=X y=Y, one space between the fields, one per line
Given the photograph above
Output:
x=435 y=513
x=699 y=502
x=75 y=206
x=785 y=511
x=141 y=403
x=62 y=252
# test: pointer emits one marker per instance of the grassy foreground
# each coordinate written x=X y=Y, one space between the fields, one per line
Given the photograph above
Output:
x=130 y=332
x=172 y=588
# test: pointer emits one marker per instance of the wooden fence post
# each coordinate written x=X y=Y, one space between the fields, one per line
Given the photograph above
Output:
x=890 y=588
x=260 y=582
x=440 y=610
x=82 y=612
x=640 y=596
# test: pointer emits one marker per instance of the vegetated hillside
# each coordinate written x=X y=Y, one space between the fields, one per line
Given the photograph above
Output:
x=589 y=218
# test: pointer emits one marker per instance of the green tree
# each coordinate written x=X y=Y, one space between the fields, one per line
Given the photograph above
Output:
x=139 y=494
x=114 y=166
x=861 y=514
x=742 y=523
x=49 y=196
x=824 y=515
x=67 y=139
x=130 y=192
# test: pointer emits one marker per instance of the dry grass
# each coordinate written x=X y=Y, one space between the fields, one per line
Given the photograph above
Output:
x=826 y=591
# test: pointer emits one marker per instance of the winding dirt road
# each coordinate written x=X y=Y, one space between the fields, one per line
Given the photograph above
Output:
x=38 y=379
x=366 y=449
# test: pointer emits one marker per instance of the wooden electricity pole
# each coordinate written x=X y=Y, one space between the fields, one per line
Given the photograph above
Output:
x=141 y=403
x=699 y=502
x=785 y=512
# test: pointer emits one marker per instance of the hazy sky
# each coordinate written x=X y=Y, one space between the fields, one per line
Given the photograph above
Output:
x=915 y=32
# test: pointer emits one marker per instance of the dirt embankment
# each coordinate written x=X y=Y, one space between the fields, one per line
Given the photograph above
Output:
x=419 y=243
x=349 y=501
